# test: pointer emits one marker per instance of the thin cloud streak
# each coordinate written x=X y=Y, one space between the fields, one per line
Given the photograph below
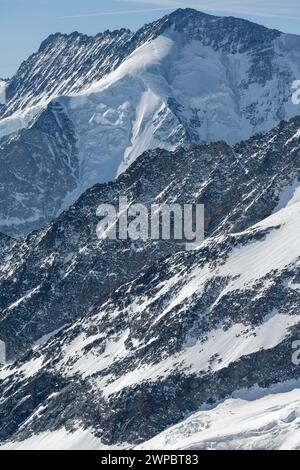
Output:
x=109 y=13
x=227 y=7
x=197 y=4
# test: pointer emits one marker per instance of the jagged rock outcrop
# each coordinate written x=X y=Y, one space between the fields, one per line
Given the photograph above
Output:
x=190 y=330
x=59 y=273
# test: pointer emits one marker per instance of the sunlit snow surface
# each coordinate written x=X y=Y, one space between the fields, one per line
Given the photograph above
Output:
x=129 y=110
x=115 y=120
x=170 y=91
x=59 y=440
x=257 y=420
x=20 y=120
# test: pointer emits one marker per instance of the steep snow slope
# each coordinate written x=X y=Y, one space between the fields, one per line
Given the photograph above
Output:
x=125 y=114
x=214 y=92
x=170 y=91
x=20 y=120
x=64 y=63
x=68 y=63
x=81 y=439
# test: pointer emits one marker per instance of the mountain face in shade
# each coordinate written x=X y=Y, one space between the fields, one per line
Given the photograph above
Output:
x=187 y=78
x=126 y=353
x=60 y=272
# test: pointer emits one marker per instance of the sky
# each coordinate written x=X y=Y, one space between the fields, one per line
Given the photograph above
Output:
x=25 y=23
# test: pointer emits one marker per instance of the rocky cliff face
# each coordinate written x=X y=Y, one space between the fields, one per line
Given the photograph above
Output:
x=174 y=330
x=190 y=331
x=40 y=170
x=58 y=273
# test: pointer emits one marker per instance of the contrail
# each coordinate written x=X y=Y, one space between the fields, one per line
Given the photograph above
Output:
x=240 y=7
x=231 y=6
x=124 y=12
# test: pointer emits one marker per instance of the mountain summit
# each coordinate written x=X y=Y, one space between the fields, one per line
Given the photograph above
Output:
x=82 y=108
x=67 y=63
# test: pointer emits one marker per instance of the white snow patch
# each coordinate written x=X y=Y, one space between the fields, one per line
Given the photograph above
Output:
x=268 y=422
x=19 y=120
x=81 y=439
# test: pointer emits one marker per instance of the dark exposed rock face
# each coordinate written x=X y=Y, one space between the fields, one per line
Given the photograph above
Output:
x=149 y=344
x=61 y=272
x=135 y=365
x=40 y=168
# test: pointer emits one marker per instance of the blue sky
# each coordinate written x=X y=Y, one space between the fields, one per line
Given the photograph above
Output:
x=25 y=23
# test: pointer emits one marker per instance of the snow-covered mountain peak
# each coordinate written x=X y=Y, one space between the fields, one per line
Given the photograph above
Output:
x=67 y=63
x=186 y=78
